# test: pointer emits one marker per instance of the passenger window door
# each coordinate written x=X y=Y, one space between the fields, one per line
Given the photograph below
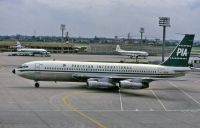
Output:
x=37 y=67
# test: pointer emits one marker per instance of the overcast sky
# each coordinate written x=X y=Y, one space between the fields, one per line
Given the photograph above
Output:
x=103 y=18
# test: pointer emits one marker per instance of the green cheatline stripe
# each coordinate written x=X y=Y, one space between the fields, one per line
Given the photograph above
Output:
x=142 y=74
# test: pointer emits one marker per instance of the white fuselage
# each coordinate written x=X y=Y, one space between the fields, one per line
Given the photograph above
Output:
x=31 y=50
x=133 y=53
x=66 y=70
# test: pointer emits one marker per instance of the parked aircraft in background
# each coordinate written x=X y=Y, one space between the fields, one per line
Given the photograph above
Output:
x=22 y=51
x=110 y=75
x=131 y=54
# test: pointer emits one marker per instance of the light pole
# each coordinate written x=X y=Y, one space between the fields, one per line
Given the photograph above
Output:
x=164 y=22
x=62 y=28
x=141 y=31
x=67 y=37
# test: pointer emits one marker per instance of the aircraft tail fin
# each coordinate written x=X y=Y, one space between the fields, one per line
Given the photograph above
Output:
x=118 y=48
x=19 y=45
x=180 y=56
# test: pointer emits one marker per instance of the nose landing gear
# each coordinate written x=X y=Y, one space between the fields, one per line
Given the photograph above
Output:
x=37 y=85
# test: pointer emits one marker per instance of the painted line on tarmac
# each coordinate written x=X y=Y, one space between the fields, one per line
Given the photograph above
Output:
x=158 y=99
x=51 y=101
x=121 y=103
x=188 y=95
x=68 y=104
x=55 y=97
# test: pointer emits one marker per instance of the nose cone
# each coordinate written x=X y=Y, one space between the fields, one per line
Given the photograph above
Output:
x=13 y=71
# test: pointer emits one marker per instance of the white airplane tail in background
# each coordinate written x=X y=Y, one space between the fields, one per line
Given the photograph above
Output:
x=19 y=45
x=118 y=48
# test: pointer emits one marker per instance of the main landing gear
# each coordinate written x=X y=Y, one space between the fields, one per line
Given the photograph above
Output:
x=117 y=87
x=37 y=85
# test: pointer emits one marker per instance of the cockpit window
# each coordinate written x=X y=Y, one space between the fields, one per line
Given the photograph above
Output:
x=23 y=66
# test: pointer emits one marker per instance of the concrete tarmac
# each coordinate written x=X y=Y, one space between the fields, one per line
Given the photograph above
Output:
x=174 y=104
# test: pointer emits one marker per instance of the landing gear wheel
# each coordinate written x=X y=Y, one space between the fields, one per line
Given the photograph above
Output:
x=116 y=88
x=87 y=85
x=37 y=85
x=146 y=85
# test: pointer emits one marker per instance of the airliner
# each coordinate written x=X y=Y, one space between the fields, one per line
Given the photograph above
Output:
x=30 y=51
x=110 y=75
x=131 y=54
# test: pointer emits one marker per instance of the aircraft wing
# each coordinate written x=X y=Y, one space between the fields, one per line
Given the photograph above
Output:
x=119 y=78
x=95 y=75
x=113 y=77
x=132 y=54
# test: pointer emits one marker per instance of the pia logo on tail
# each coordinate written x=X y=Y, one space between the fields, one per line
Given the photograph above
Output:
x=181 y=52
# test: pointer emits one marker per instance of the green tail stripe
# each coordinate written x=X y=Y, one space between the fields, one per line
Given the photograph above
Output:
x=180 y=56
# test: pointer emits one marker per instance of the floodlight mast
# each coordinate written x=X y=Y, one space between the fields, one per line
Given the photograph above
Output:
x=164 y=22
x=62 y=27
x=141 y=32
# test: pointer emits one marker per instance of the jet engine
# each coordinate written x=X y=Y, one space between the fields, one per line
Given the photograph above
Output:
x=99 y=83
x=132 y=84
